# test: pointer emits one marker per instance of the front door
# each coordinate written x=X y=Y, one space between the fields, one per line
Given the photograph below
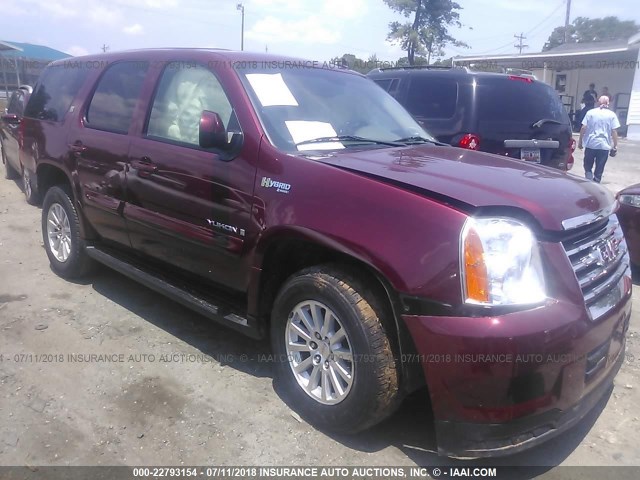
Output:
x=186 y=205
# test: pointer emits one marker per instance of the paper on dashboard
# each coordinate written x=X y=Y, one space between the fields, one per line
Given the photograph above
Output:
x=271 y=90
x=303 y=130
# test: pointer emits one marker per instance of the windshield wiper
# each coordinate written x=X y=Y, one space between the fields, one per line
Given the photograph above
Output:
x=541 y=122
x=348 y=138
x=418 y=139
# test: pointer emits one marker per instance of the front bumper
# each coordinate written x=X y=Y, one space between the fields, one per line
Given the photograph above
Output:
x=494 y=439
x=502 y=384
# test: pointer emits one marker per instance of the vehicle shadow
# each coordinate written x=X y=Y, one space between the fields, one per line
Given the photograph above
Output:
x=220 y=343
x=410 y=429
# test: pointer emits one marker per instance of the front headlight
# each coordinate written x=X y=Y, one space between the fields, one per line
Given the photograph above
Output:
x=633 y=200
x=500 y=263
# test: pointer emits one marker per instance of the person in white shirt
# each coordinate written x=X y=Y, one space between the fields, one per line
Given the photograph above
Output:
x=599 y=131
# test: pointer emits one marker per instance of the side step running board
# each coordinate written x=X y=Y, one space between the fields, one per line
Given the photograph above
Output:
x=180 y=295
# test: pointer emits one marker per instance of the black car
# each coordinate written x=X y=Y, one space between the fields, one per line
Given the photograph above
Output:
x=10 y=131
x=512 y=115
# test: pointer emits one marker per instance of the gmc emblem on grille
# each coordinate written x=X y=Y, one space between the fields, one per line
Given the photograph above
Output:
x=606 y=252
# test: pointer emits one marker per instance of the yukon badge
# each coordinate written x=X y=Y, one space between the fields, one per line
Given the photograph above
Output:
x=224 y=226
x=279 y=186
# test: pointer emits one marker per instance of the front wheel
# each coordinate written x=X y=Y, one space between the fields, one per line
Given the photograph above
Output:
x=334 y=362
x=61 y=234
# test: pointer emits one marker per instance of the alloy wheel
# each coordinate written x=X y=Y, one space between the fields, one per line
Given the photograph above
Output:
x=319 y=352
x=59 y=232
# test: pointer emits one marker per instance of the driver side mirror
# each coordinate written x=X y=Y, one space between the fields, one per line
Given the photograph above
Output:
x=212 y=133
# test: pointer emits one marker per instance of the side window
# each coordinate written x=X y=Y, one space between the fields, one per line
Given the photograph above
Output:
x=435 y=98
x=13 y=103
x=115 y=97
x=390 y=85
x=52 y=96
x=384 y=83
x=184 y=91
x=20 y=103
x=393 y=89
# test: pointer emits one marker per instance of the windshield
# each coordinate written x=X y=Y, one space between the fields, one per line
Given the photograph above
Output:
x=337 y=109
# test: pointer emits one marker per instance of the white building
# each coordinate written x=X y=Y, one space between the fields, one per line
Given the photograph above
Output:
x=570 y=68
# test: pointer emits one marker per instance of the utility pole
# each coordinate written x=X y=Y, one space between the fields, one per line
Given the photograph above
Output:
x=105 y=47
x=566 y=22
x=520 y=46
x=241 y=8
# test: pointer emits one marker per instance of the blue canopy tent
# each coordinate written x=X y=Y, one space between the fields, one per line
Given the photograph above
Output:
x=23 y=62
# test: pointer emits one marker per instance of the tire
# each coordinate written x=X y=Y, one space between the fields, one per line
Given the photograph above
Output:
x=373 y=393
x=30 y=187
x=10 y=173
x=60 y=215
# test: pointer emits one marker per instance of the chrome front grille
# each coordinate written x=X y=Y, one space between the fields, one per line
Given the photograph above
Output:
x=600 y=260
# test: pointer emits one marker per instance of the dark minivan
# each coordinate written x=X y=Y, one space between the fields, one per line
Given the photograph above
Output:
x=301 y=203
x=512 y=115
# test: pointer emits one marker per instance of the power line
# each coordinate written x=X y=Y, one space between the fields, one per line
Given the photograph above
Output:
x=547 y=17
x=510 y=44
x=495 y=49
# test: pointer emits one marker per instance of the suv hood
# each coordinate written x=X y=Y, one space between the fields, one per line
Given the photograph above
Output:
x=480 y=180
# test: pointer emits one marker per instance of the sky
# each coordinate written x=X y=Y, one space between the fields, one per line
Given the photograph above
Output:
x=312 y=29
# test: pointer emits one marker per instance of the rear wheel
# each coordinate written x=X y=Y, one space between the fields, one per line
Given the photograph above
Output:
x=61 y=234
x=334 y=362
x=9 y=172
x=29 y=187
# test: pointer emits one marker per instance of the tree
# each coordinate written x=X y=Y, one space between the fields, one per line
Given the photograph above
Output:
x=417 y=61
x=428 y=33
x=350 y=61
x=592 y=30
x=444 y=62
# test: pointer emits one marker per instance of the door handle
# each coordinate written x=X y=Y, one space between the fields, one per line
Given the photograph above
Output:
x=77 y=148
x=145 y=167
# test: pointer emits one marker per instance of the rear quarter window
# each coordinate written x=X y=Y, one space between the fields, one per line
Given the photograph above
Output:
x=432 y=98
x=54 y=92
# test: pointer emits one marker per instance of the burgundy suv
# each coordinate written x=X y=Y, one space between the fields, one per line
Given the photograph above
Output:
x=284 y=198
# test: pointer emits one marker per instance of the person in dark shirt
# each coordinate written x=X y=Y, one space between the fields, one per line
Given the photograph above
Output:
x=590 y=97
x=589 y=100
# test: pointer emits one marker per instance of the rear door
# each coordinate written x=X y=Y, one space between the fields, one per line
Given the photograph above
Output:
x=48 y=115
x=100 y=145
x=186 y=205
x=522 y=118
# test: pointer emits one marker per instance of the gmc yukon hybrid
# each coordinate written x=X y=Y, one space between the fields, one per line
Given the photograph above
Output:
x=284 y=198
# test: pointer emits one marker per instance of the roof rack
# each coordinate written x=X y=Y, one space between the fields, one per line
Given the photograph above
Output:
x=424 y=67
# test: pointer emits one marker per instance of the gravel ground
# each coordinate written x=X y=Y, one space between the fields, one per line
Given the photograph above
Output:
x=153 y=401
